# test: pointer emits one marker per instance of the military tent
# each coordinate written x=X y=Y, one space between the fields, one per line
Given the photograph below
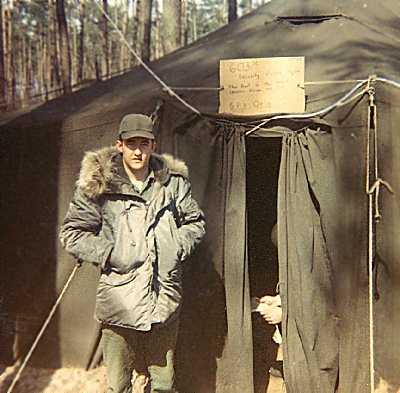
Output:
x=308 y=173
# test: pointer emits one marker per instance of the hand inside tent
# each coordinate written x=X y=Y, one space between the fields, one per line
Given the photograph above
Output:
x=271 y=300
x=271 y=314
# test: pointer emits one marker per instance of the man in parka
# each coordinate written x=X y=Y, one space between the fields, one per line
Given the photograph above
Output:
x=134 y=216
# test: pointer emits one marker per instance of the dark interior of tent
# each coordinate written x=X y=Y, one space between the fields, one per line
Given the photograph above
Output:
x=262 y=160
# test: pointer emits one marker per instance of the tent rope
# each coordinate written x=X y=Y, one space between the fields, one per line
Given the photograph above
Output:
x=43 y=328
x=311 y=83
x=375 y=189
x=196 y=88
x=247 y=123
x=346 y=99
x=374 y=214
x=142 y=63
x=333 y=82
x=388 y=81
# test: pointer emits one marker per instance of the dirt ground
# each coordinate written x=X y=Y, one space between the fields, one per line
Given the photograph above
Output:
x=73 y=380
x=65 y=380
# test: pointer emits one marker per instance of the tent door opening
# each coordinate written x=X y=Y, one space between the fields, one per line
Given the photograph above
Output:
x=262 y=169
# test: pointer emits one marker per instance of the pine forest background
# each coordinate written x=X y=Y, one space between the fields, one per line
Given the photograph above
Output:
x=53 y=47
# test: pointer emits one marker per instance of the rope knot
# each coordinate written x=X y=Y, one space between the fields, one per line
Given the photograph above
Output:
x=376 y=187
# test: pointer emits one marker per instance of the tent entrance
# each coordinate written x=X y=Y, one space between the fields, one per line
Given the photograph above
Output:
x=290 y=187
x=262 y=169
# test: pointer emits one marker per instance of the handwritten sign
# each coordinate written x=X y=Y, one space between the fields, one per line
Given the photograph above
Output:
x=261 y=86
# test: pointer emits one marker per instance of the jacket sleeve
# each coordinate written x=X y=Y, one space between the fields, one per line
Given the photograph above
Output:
x=80 y=232
x=191 y=220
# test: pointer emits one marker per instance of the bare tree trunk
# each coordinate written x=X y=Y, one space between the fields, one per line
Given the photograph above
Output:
x=41 y=61
x=157 y=44
x=147 y=30
x=14 y=45
x=53 y=66
x=9 y=55
x=144 y=8
x=90 y=71
x=248 y=6
x=74 y=55
x=193 y=20
x=30 y=70
x=81 y=48
x=171 y=25
x=115 y=46
x=106 y=45
x=232 y=10
x=44 y=64
x=97 y=68
x=3 y=80
x=123 y=58
x=49 y=66
x=23 y=71
x=7 y=51
x=18 y=81
x=130 y=28
x=65 y=50
x=38 y=52
x=184 y=23
x=136 y=44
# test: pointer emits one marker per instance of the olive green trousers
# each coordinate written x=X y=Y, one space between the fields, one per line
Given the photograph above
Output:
x=150 y=353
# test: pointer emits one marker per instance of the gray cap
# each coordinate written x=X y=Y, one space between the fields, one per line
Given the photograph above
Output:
x=136 y=125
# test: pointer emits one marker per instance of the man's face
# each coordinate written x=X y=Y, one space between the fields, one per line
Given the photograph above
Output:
x=136 y=152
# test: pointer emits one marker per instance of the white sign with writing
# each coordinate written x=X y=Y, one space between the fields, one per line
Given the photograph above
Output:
x=262 y=86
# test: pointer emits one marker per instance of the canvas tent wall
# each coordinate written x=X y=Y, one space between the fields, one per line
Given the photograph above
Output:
x=41 y=152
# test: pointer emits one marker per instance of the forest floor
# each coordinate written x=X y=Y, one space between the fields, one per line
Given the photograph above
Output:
x=63 y=380
x=74 y=380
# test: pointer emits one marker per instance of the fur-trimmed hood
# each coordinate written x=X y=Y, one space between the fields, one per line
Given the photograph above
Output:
x=100 y=170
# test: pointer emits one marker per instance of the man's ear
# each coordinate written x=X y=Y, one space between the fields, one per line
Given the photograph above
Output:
x=118 y=145
x=154 y=145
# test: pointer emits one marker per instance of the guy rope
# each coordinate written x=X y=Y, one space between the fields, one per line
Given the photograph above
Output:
x=43 y=328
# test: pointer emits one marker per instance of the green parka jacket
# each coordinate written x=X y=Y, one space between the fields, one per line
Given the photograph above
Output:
x=139 y=244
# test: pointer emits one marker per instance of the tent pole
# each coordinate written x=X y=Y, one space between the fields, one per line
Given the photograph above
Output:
x=371 y=292
x=374 y=215
x=371 y=236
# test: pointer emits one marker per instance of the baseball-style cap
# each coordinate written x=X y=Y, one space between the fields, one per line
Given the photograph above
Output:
x=136 y=125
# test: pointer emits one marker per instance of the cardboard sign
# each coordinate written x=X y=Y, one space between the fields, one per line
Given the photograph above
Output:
x=262 y=86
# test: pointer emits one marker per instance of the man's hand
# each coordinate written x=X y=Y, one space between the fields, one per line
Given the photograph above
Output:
x=140 y=383
x=271 y=314
x=269 y=307
x=271 y=300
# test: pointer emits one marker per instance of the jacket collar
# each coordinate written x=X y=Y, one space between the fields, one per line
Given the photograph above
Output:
x=102 y=172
